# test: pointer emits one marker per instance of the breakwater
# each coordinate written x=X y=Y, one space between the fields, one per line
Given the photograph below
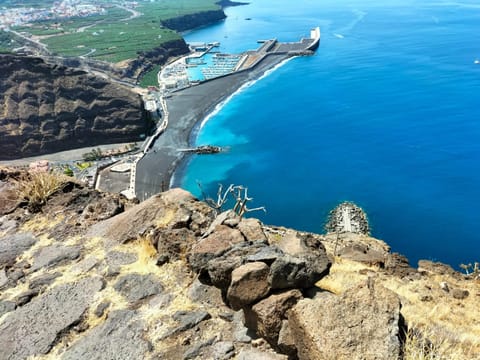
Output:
x=347 y=217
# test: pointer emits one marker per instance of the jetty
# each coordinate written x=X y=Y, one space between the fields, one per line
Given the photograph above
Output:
x=347 y=218
x=204 y=149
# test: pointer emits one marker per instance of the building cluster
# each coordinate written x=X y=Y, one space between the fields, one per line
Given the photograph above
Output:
x=175 y=77
x=60 y=10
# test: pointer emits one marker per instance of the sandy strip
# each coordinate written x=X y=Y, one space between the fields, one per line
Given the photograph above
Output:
x=187 y=108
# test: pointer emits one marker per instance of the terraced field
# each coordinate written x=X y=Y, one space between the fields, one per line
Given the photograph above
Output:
x=120 y=33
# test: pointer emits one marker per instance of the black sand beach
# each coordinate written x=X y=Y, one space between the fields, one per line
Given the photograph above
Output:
x=187 y=108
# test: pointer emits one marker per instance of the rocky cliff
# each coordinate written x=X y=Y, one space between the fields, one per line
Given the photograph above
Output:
x=85 y=274
x=46 y=108
x=157 y=56
x=192 y=21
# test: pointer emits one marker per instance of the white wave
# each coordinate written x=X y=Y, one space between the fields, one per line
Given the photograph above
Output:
x=221 y=104
x=340 y=36
x=359 y=15
x=173 y=180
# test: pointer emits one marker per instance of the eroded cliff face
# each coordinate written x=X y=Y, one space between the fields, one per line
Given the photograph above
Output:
x=46 y=108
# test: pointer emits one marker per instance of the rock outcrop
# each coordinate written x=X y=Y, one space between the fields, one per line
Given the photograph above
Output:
x=171 y=279
x=364 y=320
x=46 y=108
x=34 y=328
x=156 y=56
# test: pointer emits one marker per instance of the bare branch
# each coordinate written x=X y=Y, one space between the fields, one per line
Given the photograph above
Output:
x=238 y=192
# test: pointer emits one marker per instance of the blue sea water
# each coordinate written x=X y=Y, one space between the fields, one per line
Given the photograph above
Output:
x=385 y=114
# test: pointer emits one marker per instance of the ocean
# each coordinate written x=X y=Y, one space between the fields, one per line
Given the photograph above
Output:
x=386 y=114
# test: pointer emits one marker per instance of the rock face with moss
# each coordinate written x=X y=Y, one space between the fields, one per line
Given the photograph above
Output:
x=92 y=275
x=46 y=108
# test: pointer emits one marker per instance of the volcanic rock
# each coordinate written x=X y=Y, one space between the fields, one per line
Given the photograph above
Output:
x=364 y=320
x=12 y=246
x=266 y=316
x=51 y=108
x=120 y=337
x=33 y=328
x=249 y=284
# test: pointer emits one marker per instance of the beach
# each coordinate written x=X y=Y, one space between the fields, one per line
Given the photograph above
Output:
x=187 y=109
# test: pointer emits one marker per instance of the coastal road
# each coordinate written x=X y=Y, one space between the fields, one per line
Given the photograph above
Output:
x=42 y=48
x=187 y=108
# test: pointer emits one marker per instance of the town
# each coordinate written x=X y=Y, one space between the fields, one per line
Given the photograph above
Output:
x=59 y=10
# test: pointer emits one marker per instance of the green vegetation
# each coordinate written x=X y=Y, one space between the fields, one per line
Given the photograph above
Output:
x=7 y=42
x=83 y=165
x=95 y=154
x=150 y=78
x=119 y=34
x=67 y=170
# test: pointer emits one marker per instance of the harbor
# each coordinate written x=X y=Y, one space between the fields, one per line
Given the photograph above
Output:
x=206 y=63
x=189 y=89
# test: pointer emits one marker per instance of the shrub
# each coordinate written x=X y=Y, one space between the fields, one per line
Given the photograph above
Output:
x=35 y=187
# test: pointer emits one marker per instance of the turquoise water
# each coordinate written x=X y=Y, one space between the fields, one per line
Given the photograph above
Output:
x=211 y=62
x=385 y=114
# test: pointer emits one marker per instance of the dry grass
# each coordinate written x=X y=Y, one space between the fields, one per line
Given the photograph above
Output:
x=42 y=222
x=36 y=187
x=166 y=219
x=429 y=343
x=452 y=326
x=344 y=274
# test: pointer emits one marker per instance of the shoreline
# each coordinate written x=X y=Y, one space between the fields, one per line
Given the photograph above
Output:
x=189 y=109
x=180 y=171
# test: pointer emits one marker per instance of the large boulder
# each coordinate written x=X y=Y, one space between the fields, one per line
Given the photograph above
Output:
x=214 y=245
x=364 y=254
x=249 y=284
x=173 y=209
x=301 y=271
x=362 y=323
x=266 y=316
x=252 y=229
x=220 y=269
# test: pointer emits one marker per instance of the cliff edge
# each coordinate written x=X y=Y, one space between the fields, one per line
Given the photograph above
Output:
x=85 y=274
